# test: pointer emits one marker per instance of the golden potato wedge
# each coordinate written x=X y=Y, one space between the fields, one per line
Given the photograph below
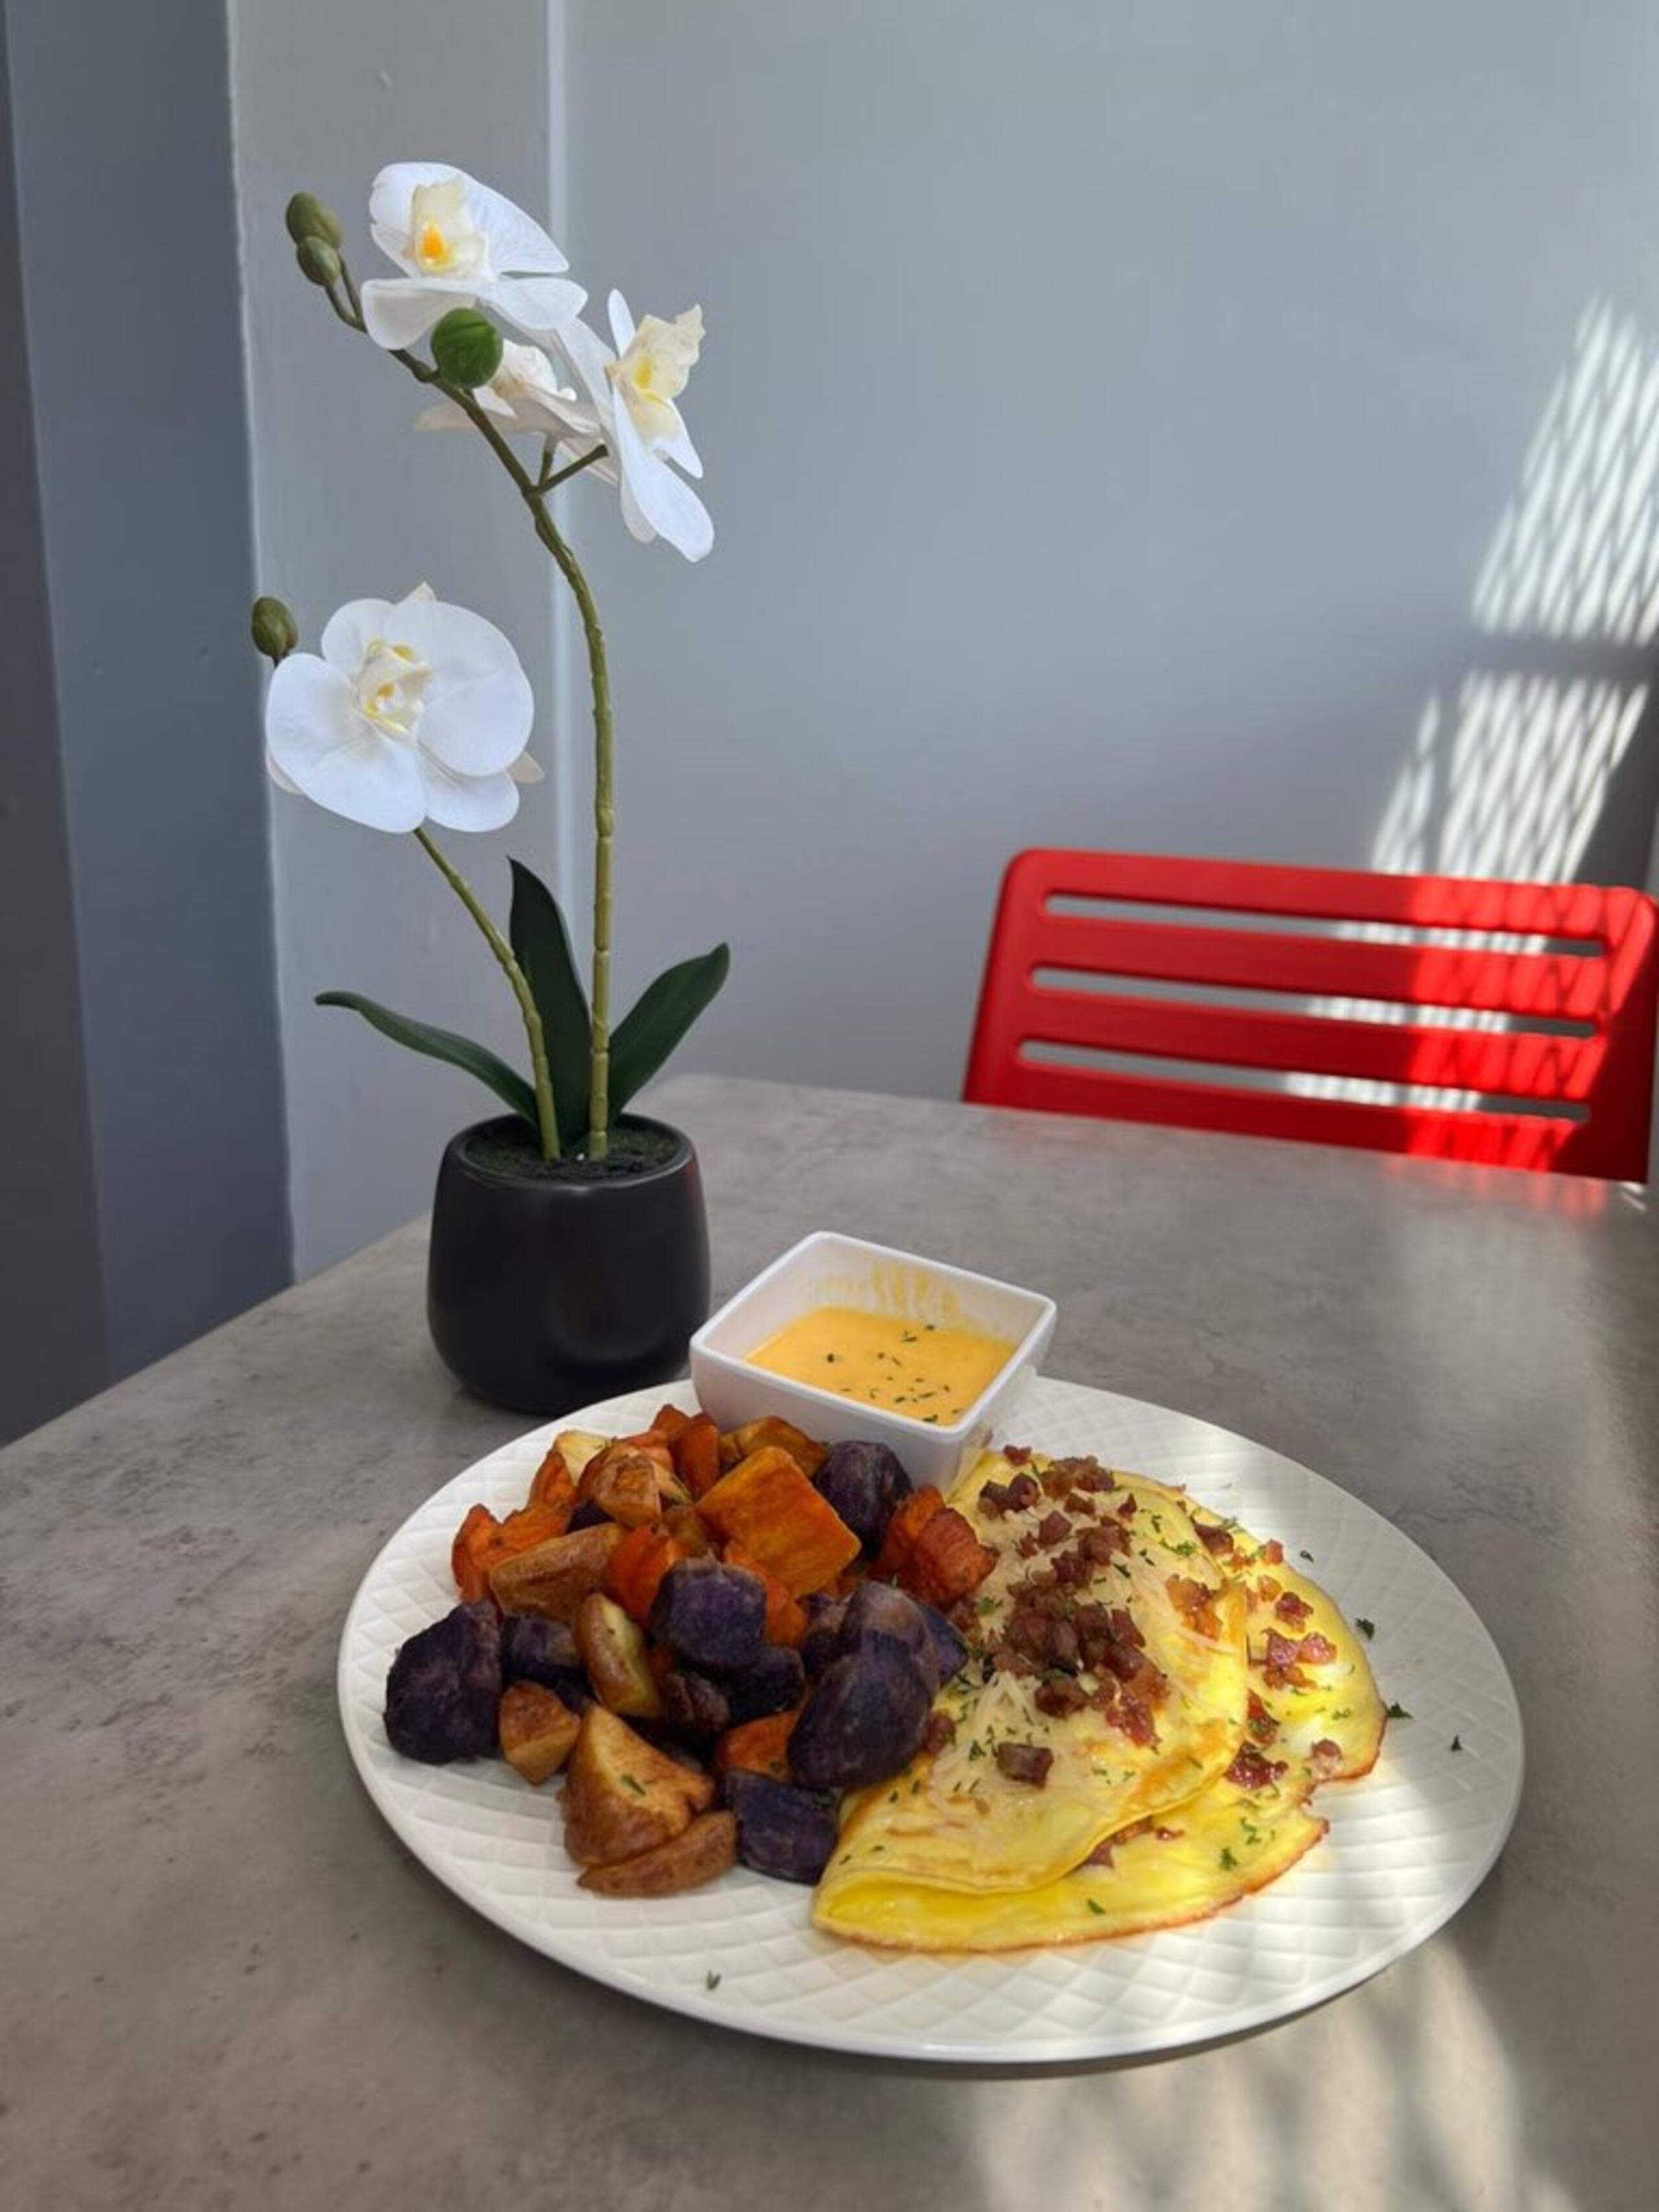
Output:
x=622 y=1482
x=783 y=1435
x=552 y=1579
x=575 y=1447
x=623 y=1796
x=538 y=1731
x=613 y=1648
x=709 y=1847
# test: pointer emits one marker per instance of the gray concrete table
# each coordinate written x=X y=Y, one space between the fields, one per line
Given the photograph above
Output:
x=224 y=1983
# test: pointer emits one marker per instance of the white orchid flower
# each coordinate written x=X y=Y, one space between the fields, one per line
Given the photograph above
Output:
x=526 y=395
x=633 y=391
x=462 y=245
x=415 y=711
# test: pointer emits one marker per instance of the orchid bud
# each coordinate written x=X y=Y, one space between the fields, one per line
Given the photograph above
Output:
x=307 y=217
x=274 y=630
x=467 y=348
x=318 y=262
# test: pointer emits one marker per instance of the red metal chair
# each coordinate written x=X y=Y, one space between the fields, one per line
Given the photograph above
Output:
x=1581 y=1055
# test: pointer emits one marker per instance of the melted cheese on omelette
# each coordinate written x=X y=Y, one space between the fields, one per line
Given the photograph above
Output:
x=1175 y=1850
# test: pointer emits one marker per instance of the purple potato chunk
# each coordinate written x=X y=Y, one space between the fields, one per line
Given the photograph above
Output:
x=821 y=1642
x=545 y=1651
x=444 y=1688
x=950 y=1647
x=782 y=1831
x=866 y=1719
x=588 y=1515
x=776 y=1681
x=863 y=1482
x=713 y=1617
x=693 y=1706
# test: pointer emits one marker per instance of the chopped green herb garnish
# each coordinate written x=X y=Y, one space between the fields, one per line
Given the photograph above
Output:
x=1094 y=1905
x=930 y=1417
x=1184 y=1551
x=711 y=1980
x=908 y=1336
x=977 y=1749
x=1343 y=1713
x=638 y=1787
x=892 y=1796
x=1305 y=1555
x=831 y=1358
x=1397 y=1711
x=1228 y=1862
x=986 y=1604
x=1458 y=1743
x=1367 y=1628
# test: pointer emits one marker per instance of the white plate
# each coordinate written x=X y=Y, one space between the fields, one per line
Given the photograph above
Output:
x=1406 y=1846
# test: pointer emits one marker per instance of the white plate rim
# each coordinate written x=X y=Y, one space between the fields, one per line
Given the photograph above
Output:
x=867 y=2038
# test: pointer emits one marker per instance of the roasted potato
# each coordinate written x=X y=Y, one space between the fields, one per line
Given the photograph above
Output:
x=444 y=1688
x=575 y=1447
x=708 y=1848
x=783 y=1435
x=552 y=1579
x=622 y=1481
x=782 y=1831
x=693 y=1706
x=709 y=1615
x=864 y=1719
x=537 y=1730
x=623 y=1796
x=612 y=1648
x=689 y=1531
x=862 y=1482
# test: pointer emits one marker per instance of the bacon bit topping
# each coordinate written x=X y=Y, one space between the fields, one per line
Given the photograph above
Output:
x=1272 y=1554
x=1024 y=1491
x=1080 y=1503
x=1101 y=1854
x=1214 y=1539
x=994 y=1500
x=1282 y=1654
x=1098 y=1545
x=1293 y=1608
x=1054 y=1528
x=1195 y=1603
x=1126 y=1510
x=1024 y=1762
x=1325 y=1759
x=1125 y=1628
x=1079 y=1473
x=1169 y=1835
x=1262 y=1725
x=1017 y=1454
x=1251 y=1771
x=1267 y=1590
x=1135 y=1720
x=1317 y=1650
x=1060 y=1696
x=941 y=1733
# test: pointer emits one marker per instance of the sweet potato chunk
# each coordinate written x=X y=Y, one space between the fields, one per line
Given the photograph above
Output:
x=482 y=1542
x=613 y=1651
x=947 y=1561
x=637 y=1565
x=767 y=1504
x=786 y=1621
x=697 y=1454
x=622 y=1796
x=537 y=1730
x=773 y=1431
x=668 y=1422
x=708 y=1848
x=552 y=1579
x=906 y=1522
x=757 y=1746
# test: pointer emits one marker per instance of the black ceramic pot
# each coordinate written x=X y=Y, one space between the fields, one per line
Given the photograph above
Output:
x=546 y=1291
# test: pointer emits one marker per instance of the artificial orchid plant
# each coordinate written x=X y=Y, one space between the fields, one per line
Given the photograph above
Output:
x=416 y=712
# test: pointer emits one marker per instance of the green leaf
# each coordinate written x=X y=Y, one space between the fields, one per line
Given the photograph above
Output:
x=442 y=1044
x=541 y=944
x=660 y=1017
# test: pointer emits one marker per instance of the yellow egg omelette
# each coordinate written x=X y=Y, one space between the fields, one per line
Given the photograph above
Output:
x=1152 y=1698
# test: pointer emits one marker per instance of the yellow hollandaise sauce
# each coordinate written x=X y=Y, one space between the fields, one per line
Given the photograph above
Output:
x=921 y=1370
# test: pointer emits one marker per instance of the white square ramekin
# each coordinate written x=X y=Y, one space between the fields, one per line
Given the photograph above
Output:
x=826 y=1269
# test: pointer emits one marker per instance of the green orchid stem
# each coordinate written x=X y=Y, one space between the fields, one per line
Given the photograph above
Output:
x=534 y=491
x=547 y=1123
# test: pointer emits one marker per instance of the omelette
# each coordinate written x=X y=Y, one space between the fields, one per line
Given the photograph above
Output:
x=1169 y=1791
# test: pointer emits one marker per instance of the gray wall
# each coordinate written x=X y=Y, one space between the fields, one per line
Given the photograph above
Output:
x=51 y=1315
x=352 y=503
x=1125 y=425
x=127 y=261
